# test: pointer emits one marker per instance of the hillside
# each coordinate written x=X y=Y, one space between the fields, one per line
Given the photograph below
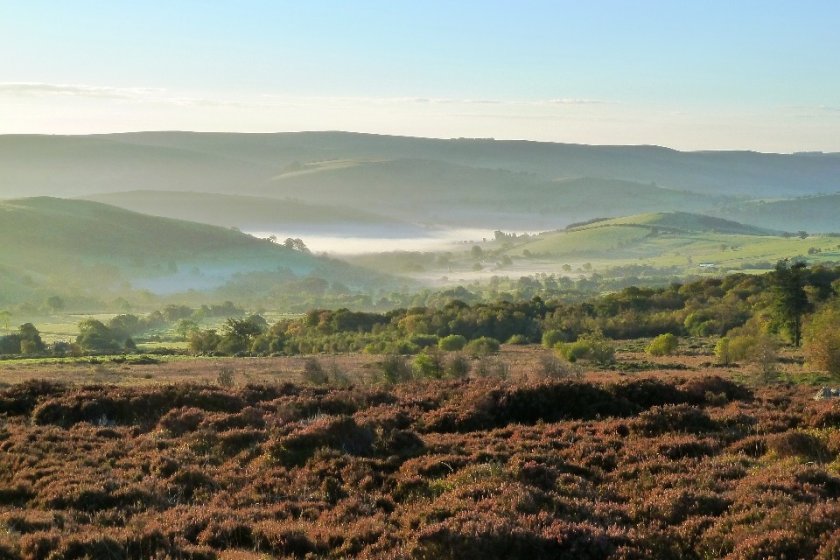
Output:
x=673 y=239
x=66 y=166
x=589 y=197
x=410 y=189
x=711 y=172
x=453 y=194
x=252 y=213
x=817 y=213
x=486 y=183
x=679 y=222
x=80 y=247
x=639 y=235
x=390 y=197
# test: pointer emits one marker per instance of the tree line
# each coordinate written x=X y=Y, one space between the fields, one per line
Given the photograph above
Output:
x=778 y=302
x=789 y=304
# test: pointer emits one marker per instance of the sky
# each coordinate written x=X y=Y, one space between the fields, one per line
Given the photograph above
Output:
x=736 y=74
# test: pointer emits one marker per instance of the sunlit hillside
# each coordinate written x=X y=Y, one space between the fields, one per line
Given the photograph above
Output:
x=80 y=247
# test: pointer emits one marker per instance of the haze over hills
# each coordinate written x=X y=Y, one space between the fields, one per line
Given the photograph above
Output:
x=252 y=213
x=710 y=172
x=398 y=194
x=818 y=213
x=514 y=185
x=64 y=246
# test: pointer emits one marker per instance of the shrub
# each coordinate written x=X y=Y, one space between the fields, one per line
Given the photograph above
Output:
x=424 y=340
x=723 y=351
x=660 y=420
x=336 y=432
x=740 y=347
x=314 y=373
x=663 y=345
x=590 y=347
x=427 y=365
x=204 y=342
x=394 y=369
x=402 y=347
x=551 y=338
x=457 y=366
x=777 y=543
x=10 y=344
x=483 y=346
x=95 y=337
x=452 y=343
x=821 y=340
x=518 y=339
x=225 y=377
x=490 y=367
x=749 y=345
x=181 y=420
x=552 y=367
x=798 y=444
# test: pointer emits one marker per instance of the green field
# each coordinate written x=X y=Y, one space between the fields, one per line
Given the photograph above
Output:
x=681 y=243
x=676 y=240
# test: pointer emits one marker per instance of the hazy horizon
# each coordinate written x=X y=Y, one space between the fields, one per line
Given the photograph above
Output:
x=420 y=137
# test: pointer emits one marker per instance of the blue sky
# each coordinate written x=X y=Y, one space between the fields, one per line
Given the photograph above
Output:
x=694 y=75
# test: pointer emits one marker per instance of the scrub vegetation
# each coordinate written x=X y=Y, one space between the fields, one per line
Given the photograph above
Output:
x=676 y=467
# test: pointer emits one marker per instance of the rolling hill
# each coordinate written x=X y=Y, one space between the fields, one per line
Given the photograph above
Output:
x=66 y=166
x=236 y=163
x=71 y=246
x=819 y=213
x=635 y=236
x=508 y=185
x=674 y=239
x=453 y=194
x=252 y=213
x=679 y=222
x=660 y=246
x=329 y=197
x=712 y=172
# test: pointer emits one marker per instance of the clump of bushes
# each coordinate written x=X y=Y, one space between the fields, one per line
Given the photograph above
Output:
x=553 y=367
x=663 y=345
x=427 y=365
x=488 y=366
x=424 y=340
x=518 y=339
x=457 y=366
x=552 y=337
x=452 y=343
x=821 y=340
x=482 y=346
x=672 y=418
x=756 y=348
x=592 y=347
x=748 y=343
x=797 y=444
x=394 y=369
x=314 y=373
x=329 y=431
